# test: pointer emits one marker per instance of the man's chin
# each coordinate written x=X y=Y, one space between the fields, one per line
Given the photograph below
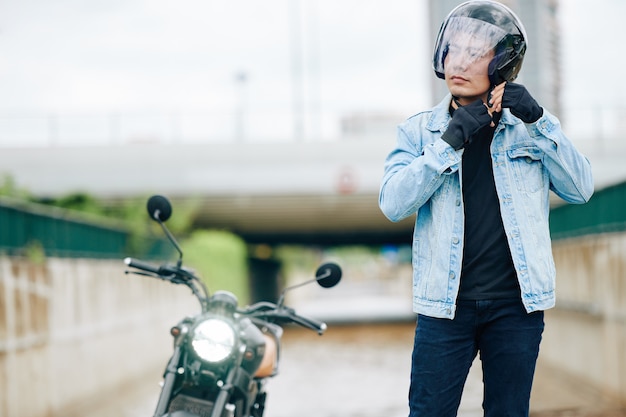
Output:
x=467 y=96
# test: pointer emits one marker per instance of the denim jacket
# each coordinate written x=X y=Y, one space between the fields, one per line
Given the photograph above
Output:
x=422 y=176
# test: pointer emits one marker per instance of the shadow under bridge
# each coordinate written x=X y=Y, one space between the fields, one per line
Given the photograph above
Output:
x=323 y=193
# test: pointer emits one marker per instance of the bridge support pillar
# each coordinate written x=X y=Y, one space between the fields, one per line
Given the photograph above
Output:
x=264 y=279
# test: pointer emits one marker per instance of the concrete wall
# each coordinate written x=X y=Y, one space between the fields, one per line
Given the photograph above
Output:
x=586 y=333
x=73 y=329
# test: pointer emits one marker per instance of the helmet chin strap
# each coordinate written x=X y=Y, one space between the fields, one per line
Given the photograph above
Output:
x=489 y=95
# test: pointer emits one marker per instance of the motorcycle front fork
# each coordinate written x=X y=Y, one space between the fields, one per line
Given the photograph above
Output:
x=229 y=410
x=168 y=383
x=259 y=405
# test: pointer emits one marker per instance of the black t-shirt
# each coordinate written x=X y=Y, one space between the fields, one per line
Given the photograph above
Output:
x=487 y=271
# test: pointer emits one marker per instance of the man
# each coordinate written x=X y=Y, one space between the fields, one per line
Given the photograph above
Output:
x=477 y=170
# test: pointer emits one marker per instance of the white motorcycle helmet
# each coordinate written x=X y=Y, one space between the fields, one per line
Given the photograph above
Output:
x=475 y=27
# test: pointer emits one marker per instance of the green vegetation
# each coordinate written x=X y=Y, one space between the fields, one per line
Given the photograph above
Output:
x=220 y=258
x=35 y=253
x=8 y=188
x=295 y=259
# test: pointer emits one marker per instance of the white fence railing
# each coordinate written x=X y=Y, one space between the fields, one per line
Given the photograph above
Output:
x=38 y=129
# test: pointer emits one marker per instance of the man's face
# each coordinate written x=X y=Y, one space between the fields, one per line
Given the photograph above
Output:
x=466 y=69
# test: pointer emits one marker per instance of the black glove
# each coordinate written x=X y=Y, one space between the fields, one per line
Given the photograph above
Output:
x=466 y=122
x=521 y=103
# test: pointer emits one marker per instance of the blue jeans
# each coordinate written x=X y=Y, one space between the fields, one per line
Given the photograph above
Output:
x=508 y=340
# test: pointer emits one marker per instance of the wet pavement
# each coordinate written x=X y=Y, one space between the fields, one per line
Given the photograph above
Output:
x=360 y=371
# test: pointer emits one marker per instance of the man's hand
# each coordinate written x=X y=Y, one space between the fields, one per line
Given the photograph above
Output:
x=466 y=122
x=516 y=98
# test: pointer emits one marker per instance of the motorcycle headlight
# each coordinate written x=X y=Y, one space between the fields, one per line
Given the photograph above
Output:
x=213 y=340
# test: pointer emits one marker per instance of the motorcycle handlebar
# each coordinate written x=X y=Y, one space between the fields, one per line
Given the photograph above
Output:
x=255 y=310
x=312 y=324
x=171 y=273
x=286 y=314
x=134 y=263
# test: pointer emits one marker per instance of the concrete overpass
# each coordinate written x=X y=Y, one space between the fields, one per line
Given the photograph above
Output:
x=309 y=192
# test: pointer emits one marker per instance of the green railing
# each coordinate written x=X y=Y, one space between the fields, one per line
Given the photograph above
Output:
x=64 y=233
x=604 y=213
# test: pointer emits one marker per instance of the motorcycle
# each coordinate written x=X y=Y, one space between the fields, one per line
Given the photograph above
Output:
x=223 y=356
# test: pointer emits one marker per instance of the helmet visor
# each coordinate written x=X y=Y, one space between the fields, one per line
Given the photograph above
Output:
x=465 y=41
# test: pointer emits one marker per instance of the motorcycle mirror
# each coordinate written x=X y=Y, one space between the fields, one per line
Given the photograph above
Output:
x=328 y=275
x=159 y=208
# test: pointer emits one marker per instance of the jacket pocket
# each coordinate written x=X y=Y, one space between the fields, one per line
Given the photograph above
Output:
x=527 y=168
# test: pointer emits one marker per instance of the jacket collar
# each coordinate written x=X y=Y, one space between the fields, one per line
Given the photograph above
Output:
x=440 y=116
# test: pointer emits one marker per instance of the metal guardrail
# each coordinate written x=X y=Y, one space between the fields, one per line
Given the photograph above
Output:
x=51 y=231
x=604 y=213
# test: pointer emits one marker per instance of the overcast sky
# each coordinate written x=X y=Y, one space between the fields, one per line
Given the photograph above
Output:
x=70 y=54
x=96 y=57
